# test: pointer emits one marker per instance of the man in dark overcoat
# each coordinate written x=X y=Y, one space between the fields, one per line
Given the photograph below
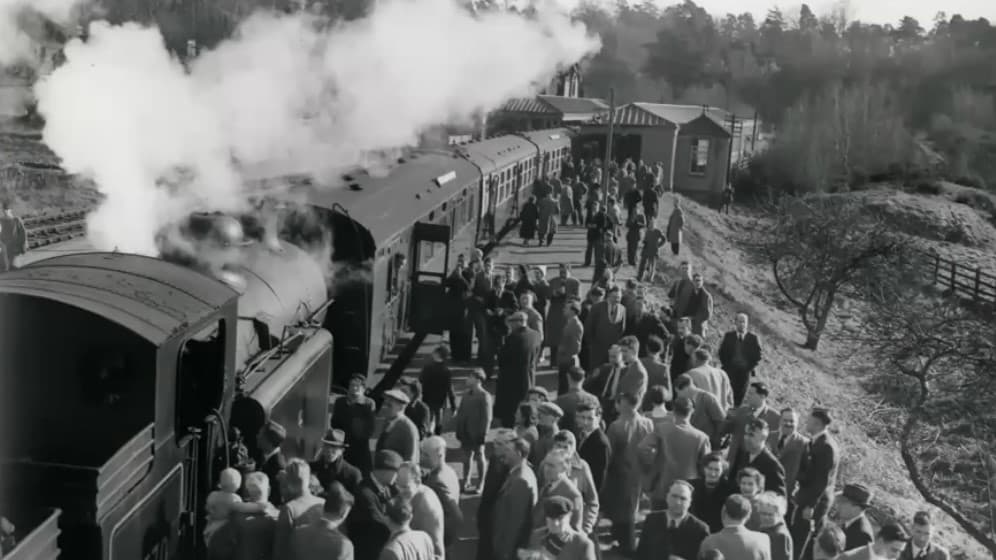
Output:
x=740 y=353
x=517 y=361
x=604 y=326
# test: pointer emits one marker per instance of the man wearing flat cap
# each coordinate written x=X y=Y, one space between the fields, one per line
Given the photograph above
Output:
x=400 y=434
x=272 y=461
x=367 y=525
x=851 y=504
x=517 y=361
x=558 y=539
x=815 y=481
x=549 y=415
x=330 y=465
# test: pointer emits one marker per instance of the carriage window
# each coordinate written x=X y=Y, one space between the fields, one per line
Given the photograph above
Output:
x=430 y=264
x=200 y=379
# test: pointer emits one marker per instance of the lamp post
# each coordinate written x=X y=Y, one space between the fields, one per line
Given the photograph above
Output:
x=608 y=147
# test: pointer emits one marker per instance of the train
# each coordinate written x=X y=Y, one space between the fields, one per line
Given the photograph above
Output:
x=122 y=375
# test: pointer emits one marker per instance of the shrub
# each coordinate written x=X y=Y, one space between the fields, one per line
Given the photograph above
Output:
x=972 y=180
x=977 y=201
x=928 y=186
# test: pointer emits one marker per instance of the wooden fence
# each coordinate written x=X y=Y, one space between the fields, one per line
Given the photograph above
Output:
x=968 y=282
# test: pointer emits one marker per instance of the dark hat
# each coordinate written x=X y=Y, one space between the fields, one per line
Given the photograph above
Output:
x=556 y=507
x=358 y=377
x=822 y=414
x=387 y=460
x=335 y=438
x=397 y=395
x=551 y=409
x=857 y=494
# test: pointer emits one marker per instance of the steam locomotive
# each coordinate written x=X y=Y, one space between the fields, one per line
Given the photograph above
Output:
x=122 y=374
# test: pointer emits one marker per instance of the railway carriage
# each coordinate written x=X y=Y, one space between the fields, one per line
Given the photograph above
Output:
x=152 y=360
x=554 y=146
x=391 y=238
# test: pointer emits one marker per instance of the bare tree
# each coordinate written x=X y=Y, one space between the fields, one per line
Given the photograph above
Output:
x=823 y=247
x=946 y=349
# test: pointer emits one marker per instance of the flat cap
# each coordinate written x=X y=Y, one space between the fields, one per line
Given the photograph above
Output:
x=539 y=391
x=387 y=460
x=858 y=494
x=556 y=507
x=397 y=395
x=551 y=409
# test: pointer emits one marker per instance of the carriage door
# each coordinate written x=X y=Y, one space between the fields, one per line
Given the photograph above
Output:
x=430 y=263
x=492 y=215
x=516 y=202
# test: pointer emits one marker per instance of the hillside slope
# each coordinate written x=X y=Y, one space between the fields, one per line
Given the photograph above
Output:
x=800 y=378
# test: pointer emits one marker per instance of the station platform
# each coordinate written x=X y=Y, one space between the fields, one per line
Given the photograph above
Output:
x=568 y=247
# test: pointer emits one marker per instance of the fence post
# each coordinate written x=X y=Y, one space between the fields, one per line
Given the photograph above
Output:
x=978 y=283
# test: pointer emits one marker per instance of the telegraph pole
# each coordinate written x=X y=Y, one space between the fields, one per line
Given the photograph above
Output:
x=608 y=147
x=753 y=135
x=729 y=156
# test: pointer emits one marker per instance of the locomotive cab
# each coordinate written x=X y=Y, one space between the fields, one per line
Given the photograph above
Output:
x=114 y=368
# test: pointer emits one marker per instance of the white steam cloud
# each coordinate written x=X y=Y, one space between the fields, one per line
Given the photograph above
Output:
x=286 y=94
x=19 y=45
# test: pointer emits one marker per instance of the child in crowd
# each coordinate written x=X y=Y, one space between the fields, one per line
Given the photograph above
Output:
x=222 y=502
x=471 y=423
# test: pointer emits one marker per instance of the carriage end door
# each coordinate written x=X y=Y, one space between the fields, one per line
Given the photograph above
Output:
x=430 y=263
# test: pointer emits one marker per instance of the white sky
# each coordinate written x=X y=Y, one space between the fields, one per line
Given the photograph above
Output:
x=870 y=11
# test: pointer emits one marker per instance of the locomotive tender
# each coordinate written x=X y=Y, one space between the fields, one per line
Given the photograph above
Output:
x=121 y=373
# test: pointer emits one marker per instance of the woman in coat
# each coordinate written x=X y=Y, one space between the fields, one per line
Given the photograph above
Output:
x=527 y=221
x=555 y=481
x=771 y=511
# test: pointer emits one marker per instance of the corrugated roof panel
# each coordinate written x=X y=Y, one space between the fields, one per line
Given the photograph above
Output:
x=574 y=104
x=527 y=105
x=633 y=115
x=681 y=114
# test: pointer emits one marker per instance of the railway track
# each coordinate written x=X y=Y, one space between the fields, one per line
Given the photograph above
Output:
x=54 y=227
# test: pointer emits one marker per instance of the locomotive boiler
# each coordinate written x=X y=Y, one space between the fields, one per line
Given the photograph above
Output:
x=121 y=374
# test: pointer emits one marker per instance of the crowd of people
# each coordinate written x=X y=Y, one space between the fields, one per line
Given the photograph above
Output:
x=647 y=417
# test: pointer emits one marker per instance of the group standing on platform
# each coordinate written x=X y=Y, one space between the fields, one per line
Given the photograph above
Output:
x=647 y=418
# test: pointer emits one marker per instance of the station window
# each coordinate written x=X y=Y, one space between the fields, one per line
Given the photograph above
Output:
x=699 y=156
